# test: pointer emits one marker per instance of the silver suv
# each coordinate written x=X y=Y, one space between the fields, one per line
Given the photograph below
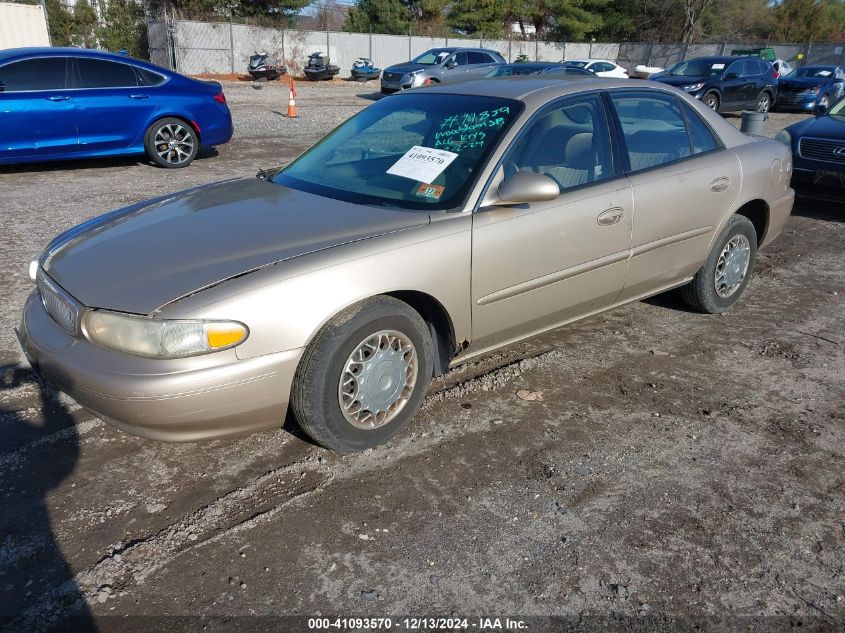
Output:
x=439 y=65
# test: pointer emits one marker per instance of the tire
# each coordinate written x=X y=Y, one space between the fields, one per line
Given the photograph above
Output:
x=711 y=100
x=181 y=152
x=317 y=394
x=701 y=293
x=764 y=102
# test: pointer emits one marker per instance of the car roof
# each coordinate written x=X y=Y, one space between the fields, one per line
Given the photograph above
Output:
x=535 y=64
x=57 y=51
x=524 y=87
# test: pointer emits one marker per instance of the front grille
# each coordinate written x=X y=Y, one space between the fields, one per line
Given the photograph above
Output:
x=790 y=97
x=60 y=307
x=392 y=77
x=823 y=150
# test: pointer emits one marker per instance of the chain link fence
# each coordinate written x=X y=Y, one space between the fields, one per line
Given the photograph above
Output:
x=197 y=48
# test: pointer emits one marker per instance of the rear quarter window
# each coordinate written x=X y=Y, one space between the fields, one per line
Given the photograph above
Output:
x=148 y=77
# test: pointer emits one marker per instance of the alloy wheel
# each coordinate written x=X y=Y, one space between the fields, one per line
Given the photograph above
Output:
x=174 y=143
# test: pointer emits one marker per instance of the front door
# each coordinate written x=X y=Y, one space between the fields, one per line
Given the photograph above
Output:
x=37 y=111
x=538 y=265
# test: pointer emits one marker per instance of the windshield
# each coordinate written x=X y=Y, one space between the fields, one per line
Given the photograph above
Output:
x=416 y=151
x=576 y=64
x=432 y=57
x=821 y=73
x=697 y=68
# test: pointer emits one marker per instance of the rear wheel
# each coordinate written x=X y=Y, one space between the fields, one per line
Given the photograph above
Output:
x=721 y=281
x=171 y=143
x=764 y=102
x=711 y=100
x=364 y=376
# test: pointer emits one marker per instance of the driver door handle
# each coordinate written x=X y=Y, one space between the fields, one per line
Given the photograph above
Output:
x=139 y=96
x=610 y=217
x=58 y=98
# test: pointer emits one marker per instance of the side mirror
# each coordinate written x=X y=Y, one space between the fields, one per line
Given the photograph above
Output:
x=451 y=64
x=526 y=186
x=730 y=76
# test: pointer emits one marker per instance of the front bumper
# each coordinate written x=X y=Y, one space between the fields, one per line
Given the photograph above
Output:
x=795 y=103
x=179 y=400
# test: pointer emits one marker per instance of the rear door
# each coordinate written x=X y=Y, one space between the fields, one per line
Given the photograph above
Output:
x=37 y=110
x=113 y=108
x=683 y=181
x=478 y=63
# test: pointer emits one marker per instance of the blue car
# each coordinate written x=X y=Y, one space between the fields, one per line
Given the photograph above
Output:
x=805 y=88
x=71 y=103
x=818 y=151
x=726 y=83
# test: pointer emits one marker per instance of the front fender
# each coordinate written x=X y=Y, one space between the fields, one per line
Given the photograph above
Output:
x=286 y=304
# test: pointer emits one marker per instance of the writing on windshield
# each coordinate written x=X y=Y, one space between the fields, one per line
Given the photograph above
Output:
x=468 y=130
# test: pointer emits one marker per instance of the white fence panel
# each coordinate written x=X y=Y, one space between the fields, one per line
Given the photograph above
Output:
x=22 y=25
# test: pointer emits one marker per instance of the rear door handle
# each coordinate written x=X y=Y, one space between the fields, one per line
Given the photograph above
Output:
x=610 y=217
x=720 y=184
x=58 y=98
x=139 y=96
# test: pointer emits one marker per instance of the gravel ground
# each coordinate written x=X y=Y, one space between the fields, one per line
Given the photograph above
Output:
x=648 y=469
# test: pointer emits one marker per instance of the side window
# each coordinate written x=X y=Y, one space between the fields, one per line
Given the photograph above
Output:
x=461 y=58
x=737 y=67
x=764 y=68
x=43 y=73
x=99 y=73
x=654 y=129
x=570 y=144
x=701 y=137
x=148 y=77
x=478 y=58
x=604 y=67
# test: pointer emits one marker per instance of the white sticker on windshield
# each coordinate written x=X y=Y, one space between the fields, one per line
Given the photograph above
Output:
x=422 y=164
x=824 y=73
x=718 y=66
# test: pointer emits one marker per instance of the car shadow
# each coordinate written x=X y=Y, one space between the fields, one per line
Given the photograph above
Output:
x=39 y=588
x=820 y=206
x=95 y=163
x=370 y=96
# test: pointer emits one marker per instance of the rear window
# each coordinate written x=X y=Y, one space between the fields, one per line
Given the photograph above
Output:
x=43 y=73
x=100 y=73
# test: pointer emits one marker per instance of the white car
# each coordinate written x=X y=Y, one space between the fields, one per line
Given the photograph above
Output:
x=600 y=67
x=782 y=67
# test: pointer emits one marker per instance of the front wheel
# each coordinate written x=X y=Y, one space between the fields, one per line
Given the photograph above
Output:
x=171 y=143
x=721 y=281
x=711 y=100
x=364 y=376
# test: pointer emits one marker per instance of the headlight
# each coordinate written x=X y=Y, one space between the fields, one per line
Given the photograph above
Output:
x=160 y=338
x=694 y=87
x=784 y=137
x=33 y=269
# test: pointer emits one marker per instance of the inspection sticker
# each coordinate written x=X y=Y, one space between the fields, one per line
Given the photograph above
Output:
x=422 y=164
x=430 y=191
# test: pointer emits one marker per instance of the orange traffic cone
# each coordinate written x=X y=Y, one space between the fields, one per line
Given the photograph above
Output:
x=292 y=102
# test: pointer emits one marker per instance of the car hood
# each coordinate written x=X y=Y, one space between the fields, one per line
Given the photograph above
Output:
x=674 y=80
x=144 y=257
x=407 y=67
x=829 y=127
x=803 y=82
